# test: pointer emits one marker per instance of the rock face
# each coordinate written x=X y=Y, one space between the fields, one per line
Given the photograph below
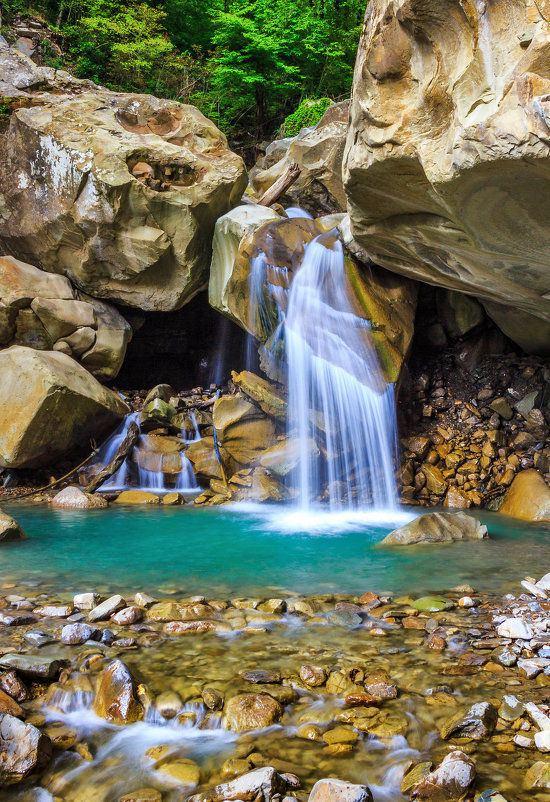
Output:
x=437 y=527
x=319 y=152
x=528 y=497
x=48 y=404
x=44 y=311
x=23 y=750
x=9 y=528
x=118 y=192
x=445 y=157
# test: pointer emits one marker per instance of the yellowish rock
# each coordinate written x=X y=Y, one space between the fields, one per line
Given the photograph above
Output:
x=136 y=497
x=528 y=497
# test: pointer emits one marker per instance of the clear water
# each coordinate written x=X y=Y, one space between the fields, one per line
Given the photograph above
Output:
x=257 y=550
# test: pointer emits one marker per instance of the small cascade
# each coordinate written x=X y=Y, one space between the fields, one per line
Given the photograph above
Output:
x=336 y=389
x=133 y=476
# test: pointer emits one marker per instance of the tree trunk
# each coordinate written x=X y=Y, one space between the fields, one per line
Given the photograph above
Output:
x=124 y=451
x=280 y=186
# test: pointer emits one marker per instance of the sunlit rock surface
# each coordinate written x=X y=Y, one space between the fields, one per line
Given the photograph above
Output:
x=49 y=404
x=446 y=164
x=318 y=151
x=44 y=311
x=118 y=192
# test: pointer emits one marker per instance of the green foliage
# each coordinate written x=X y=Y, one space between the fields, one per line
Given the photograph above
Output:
x=247 y=64
x=308 y=113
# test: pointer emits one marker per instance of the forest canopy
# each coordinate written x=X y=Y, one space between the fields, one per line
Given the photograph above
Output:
x=247 y=64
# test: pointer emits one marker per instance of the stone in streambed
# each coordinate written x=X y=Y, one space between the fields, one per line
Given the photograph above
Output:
x=74 y=498
x=33 y=666
x=332 y=790
x=107 y=608
x=537 y=776
x=115 y=699
x=478 y=723
x=449 y=782
x=142 y=795
x=136 y=497
x=437 y=527
x=515 y=628
x=9 y=705
x=128 y=616
x=263 y=784
x=432 y=604
x=10 y=529
x=23 y=750
x=75 y=634
x=314 y=676
x=252 y=711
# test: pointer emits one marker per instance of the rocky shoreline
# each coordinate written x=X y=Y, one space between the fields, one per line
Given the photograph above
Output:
x=298 y=689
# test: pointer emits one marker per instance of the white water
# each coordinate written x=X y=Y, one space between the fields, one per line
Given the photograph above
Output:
x=337 y=393
x=136 y=478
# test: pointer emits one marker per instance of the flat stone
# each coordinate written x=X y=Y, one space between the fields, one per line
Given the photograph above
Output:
x=262 y=783
x=107 y=608
x=33 y=666
x=432 y=604
x=332 y=790
x=128 y=616
x=142 y=795
x=38 y=638
x=16 y=618
x=261 y=677
x=515 y=628
x=54 y=611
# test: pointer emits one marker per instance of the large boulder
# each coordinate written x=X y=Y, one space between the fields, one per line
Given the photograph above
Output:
x=24 y=750
x=118 y=192
x=241 y=428
x=44 y=311
x=446 y=158
x=9 y=528
x=318 y=151
x=528 y=497
x=251 y=711
x=437 y=527
x=49 y=404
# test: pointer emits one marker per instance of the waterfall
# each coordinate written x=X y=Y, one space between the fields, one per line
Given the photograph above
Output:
x=337 y=394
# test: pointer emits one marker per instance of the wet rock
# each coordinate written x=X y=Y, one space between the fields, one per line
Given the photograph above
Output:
x=168 y=704
x=269 y=399
x=478 y=723
x=9 y=528
x=183 y=772
x=115 y=699
x=261 y=677
x=55 y=611
x=16 y=618
x=75 y=498
x=38 y=638
x=432 y=604
x=127 y=616
x=107 y=608
x=75 y=634
x=12 y=685
x=252 y=711
x=33 y=666
x=191 y=627
x=332 y=790
x=9 y=705
x=48 y=405
x=142 y=795
x=86 y=601
x=23 y=750
x=242 y=430
x=380 y=686
x=449 y=782
x=528 y=497
x=212 y=698
x=136 y=497
x=537 y=776
x=260 y=784
x=438 y=527
x=415 y=775
x=314 y=676
x=511 y=708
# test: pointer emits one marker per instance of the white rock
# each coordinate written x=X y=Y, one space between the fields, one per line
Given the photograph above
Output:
x=523 y=741
x=107 y=608
x=544 y=583
x=542 y=740
x=467 y=601
x=515 y=628
x=535 y=590
x=533 y=667
x=541 y=720
x=85 y=601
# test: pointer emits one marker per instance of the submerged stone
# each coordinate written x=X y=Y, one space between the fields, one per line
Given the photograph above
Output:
x=252 y=711
x=432 y=604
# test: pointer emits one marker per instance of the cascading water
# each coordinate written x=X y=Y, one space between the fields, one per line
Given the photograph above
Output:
x=136 y=477
x=337 y=393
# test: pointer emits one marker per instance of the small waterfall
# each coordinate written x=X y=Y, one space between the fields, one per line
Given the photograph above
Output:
x=337 y=393
x=134 y=477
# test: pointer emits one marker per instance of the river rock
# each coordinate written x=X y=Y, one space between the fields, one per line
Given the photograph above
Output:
x=74 y=498
x=318 y=151
x=33 y=666
x=421 y=200
x=137 y=497
x=115 y=699
x=23 y=750
x=107 y=608
x=515 y=628
x=528 y=497
x=142 y=795
x=48 y=405
x=478 y=723
x=44 y=311
x=251 y=711
x=242 y=429
x=77 y=221
x=260 y=784
x=9 y=528
x=331 y=790
x=449 y=782
x=75 y=634
x=437 y=527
